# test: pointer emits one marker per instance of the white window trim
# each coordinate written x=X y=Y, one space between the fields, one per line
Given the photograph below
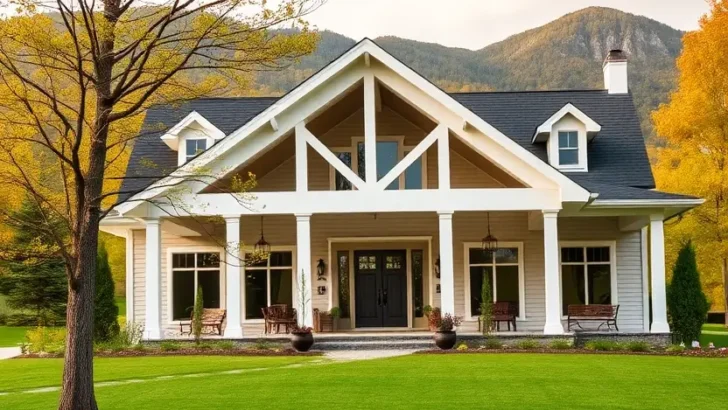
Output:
x=170 y=272
x=612 y=266
x=186 y=140
x=521 y=277
x=559 y=148
x=294 y=282
x=401 y=150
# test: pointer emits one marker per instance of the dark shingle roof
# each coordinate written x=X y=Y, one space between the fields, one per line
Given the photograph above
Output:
x=617 y=156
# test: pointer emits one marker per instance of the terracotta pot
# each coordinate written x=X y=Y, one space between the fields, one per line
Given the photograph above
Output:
x=302 y=342
x=445 y=340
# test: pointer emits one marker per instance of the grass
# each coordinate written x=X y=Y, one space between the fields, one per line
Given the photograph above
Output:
x=121 y=303
x=514 y=381
x=718 y=334
x=11 y=336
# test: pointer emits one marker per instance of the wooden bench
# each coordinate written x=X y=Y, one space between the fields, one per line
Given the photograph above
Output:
x=605 y=314
x=211 y=318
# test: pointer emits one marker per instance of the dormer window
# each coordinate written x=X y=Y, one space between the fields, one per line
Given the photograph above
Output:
x=566 y=134
x=194 y=147
x=568 y=148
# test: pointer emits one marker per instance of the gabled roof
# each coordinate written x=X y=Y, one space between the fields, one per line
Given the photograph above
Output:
x=544 y=130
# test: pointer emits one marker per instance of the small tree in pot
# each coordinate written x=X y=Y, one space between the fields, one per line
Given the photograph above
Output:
x=445 y=336
x=433 y=317
x=302 y=338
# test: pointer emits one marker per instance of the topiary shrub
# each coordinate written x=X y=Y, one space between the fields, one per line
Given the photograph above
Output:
x=106 y=312
x=687 y=305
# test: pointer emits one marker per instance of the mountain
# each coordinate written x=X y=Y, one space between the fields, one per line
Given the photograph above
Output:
x=564 y=54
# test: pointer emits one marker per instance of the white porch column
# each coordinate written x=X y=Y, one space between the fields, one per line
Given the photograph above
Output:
x=553 y=324
x=370 y=130
x=657 y=268
x=233 y=273
x=303 y=267
x=447 y=271
x=152 y=279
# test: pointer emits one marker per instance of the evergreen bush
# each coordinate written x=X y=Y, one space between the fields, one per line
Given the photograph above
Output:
x=687 y=305
x=106 y=312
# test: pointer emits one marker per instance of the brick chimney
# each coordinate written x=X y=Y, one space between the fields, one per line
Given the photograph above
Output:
x=615 y=72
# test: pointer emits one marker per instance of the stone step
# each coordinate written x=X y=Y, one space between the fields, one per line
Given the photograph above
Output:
x=374 y=345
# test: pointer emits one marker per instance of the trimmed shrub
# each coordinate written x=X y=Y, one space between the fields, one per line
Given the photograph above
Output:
x=560 y=344
x=169 y=346
x=638 y=346
x=486 y=305
x=686 y=303
x=493 y=343
x=224 y=345
x=527 y=344
x=462 y=347
x=675 y=349
x=106 y=312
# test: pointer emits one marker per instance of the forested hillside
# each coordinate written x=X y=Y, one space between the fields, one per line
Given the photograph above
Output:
x=564 y=54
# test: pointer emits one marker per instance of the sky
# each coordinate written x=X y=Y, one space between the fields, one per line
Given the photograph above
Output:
x=474 y=24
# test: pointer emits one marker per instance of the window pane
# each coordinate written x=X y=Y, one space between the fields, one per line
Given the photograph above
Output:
x=284 y=259
x=568 y=139
x=367 y=262
x=572 y=286
x=281 y=289
x=183 y=294
x=417 y=283
x=393 y=262
x=413 y=175
x=600 y=285
x=255 y=261
x=476 y=286
x=387 y=158
x=194 y=147
x=209 y=281
x=340 y=182
x=506 y=255
x=600 y=254
x=183 y=260
x=255 y=297
x=343 y=258
x=572 y=255
x=568 y=157
x=507 y=284
x=208 y=260
x=478 y=256
x=361 y=161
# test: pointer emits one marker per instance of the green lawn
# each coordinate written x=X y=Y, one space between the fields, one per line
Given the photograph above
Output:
x=11 y=335
x=503 y=381
x=718 y=334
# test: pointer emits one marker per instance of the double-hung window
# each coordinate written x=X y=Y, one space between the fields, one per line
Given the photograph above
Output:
x=268 y=282
x=568 y=148
x=587 y=276
x=503 y=268
x=194 y=147
x=190 y=272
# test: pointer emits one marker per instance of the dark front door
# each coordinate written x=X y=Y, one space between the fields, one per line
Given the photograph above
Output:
x=380 y=288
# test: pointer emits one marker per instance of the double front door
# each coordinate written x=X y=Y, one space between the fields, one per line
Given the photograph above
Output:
x=380 y=288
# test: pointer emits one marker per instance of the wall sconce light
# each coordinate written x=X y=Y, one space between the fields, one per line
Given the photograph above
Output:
x=321 y=269
x=437 y=268
x=321 y=290
x=437 y=289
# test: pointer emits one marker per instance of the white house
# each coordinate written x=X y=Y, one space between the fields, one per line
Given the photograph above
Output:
x=377 y=189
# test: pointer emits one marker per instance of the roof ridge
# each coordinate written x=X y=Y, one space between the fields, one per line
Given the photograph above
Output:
x=528 y=91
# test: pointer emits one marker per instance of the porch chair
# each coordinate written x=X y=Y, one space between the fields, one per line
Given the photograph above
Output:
x=277 y=315
x=211 y=318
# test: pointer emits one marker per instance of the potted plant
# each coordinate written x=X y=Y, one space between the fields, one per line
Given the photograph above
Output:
x=302 y=338
x=445 y=336
x=335 y=313
x=433 y=317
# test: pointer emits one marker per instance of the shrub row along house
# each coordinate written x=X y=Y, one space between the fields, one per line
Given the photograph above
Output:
x=377 y=192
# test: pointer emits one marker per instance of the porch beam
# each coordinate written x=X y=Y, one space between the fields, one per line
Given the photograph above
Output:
x=329 y=156
x=233 y=275
x=279 y=203
x=301 y=158
x=657 y=268
x=370 y=129
x=552 y=280
x=303 y=270
x=447 y=270
x=152 y=280
x=417 y=152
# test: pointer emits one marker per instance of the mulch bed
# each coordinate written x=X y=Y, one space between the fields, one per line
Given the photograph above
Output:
x=184 y=352
x=686 y=353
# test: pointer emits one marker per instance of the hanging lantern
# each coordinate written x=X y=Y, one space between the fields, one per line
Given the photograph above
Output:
x=262 y=247
x=490 y=242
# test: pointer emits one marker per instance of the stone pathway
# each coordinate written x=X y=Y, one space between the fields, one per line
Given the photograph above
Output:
x=9 y=352
x=350 y=355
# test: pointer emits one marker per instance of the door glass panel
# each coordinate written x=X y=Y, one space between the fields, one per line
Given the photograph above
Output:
x=417 y=283
x=476 y=286
x=343 y=258
x=600 y=285
x=183 y=294
x=572 y=286
x=367 y=262
x=507 y=285
x=393 y=262
x=255 y=293
x=209 y=281
x=281 y=289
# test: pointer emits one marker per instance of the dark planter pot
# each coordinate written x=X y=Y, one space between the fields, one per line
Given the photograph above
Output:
x=445 y=340
x=302 y=342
